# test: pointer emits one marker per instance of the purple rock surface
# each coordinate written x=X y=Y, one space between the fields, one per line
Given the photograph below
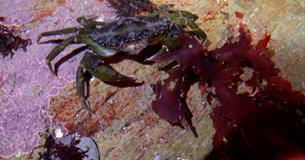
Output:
x=25 y=81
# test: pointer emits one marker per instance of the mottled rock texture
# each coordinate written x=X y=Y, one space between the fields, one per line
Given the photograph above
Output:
x=25 y=81
x=124 y=125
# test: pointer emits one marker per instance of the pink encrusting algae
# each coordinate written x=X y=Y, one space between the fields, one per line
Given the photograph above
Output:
x=25 y=81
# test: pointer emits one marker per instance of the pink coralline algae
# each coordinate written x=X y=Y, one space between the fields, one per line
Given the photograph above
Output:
x=25 y=81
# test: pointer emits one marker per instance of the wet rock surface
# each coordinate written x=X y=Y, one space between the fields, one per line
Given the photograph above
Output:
x=124 y=125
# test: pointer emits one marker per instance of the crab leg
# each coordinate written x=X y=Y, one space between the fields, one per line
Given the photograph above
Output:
x=188 y=15
x=197 y=31
x=56 y=50
x=187 y=19
x=161 y=9
x=57 y=32
x=68 y=56
x=190 y=22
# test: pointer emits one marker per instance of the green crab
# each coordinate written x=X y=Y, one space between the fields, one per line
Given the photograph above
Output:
x=128 y=36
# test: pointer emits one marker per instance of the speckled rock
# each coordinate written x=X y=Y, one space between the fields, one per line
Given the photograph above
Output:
x=124 y=125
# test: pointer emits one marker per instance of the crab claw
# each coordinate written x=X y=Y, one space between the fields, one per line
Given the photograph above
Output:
x=108 y=75
x=105 y=72
x=94 y=66
x=82 y=87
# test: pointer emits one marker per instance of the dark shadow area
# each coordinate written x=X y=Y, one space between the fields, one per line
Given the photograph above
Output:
x=275 y=132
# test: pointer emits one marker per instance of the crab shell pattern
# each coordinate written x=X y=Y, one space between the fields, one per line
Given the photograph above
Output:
x=125 y=38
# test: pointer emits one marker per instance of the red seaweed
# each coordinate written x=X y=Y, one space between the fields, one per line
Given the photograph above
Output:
x=67 y=148
x=268 y=109
x=235 y=107
x=10 y=41
x=170 y=103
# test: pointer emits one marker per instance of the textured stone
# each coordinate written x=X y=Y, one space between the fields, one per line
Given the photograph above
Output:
x=124 y=125
x=25 y=81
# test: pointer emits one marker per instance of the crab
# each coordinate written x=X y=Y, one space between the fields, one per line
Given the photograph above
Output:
x=125 y=36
